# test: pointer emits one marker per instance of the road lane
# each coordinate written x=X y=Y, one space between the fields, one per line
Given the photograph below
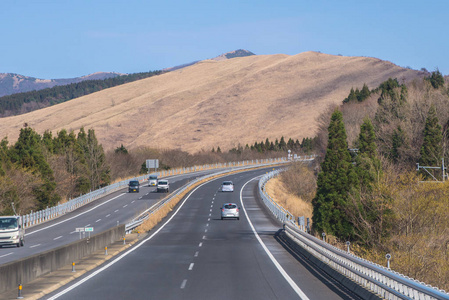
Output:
x=196 y=255
x=102 y=214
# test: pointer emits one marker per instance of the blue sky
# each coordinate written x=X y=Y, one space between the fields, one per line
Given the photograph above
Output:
x=68 y=38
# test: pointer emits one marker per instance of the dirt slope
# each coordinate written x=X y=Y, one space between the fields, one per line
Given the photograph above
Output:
x=216 y=103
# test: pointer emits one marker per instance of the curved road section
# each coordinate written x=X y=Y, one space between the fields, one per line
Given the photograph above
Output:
x=102 y=214
x=195 y=255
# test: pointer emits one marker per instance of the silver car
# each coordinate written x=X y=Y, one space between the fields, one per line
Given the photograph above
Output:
x=230 y=210
x=163 y=186
x=227 y=186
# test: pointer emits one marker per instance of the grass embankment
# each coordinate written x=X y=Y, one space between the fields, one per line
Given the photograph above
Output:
x=275 y=187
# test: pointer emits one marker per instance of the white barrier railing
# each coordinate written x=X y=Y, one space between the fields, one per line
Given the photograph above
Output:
x=375 y=278
x=49 y=213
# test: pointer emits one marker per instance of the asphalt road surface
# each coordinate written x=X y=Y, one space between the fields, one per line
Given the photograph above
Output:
x=117 y=208
x=193 y=254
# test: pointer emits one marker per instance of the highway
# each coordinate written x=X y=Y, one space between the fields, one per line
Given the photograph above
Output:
x=193 y=254
x=102 y=214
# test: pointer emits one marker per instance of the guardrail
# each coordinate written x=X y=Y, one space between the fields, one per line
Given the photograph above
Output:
x=146 y=214
x=378 y=279
x=49 y=213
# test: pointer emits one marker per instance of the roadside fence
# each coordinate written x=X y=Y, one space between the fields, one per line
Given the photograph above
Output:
x=375 y=278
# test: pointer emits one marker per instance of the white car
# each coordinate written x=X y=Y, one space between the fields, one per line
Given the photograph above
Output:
x=163 y=186
x=227 y=186
x=152 y=180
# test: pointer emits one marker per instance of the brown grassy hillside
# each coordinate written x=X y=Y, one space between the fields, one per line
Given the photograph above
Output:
x=216 y=103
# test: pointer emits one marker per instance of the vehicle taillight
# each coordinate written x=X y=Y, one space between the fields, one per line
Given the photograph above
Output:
x=237 y=209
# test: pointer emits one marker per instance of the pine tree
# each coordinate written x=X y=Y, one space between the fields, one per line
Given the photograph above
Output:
x=364 y=93
x=336 y=179
x=398 y=141
x=368 y=166
x=282 y=144
x=431 y=149
x=436 y=79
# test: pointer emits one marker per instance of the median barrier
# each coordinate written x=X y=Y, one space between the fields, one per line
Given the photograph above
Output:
x=25 y=270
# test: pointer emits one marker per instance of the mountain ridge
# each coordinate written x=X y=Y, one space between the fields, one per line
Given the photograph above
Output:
x=12 y=83
x=217 y=103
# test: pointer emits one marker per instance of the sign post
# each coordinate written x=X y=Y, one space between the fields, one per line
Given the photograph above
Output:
x=152 y=164
x=89 y=229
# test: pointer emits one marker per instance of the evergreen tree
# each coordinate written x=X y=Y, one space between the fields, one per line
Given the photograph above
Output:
x=364 y=93
x=398 y=140
x=218 y=149
x=368 y=164
x=336 y=178
x=282 y=144
x=96 y=161
x=123 y=150
x=436 y=79
x=431 y=149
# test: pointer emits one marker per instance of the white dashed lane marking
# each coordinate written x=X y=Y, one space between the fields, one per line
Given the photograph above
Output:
x=116 y=210
x=108 y=215
x=35 y=246
x=183 y=284
x=57 y=238
x=97 y=220
x=191 y=266
x=196 y=253
x=7 y=254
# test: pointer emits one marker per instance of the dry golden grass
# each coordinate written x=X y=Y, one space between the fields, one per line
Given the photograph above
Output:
x=295 y=205
x=215 y=103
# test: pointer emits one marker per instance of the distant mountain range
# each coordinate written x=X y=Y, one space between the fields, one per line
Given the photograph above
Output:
x=11 y=83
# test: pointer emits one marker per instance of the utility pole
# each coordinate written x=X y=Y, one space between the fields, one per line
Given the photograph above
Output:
x=442 y=168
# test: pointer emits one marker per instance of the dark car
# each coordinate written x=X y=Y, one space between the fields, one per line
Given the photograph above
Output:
x=133 y=186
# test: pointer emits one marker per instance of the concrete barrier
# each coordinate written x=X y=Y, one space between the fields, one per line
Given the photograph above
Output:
x=27 y=269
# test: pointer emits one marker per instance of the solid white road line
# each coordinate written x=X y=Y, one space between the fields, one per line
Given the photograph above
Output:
x=275 y=262
x=76 y=215
x=93 y=274
x=191 y=266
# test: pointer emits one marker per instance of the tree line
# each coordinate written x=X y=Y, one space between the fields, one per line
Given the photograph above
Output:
x=368 y=188
x=20 y=103
x=39 y=170
x=306 y=146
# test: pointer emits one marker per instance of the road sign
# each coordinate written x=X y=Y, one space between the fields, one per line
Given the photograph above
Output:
x=152 y=163
x=89 y=229
x=80 y=229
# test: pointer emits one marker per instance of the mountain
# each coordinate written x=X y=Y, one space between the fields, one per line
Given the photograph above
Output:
x=216 y=103
x=228 y=55
x=11 y=83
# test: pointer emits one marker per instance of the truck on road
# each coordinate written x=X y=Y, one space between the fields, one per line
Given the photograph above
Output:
x=11 y=231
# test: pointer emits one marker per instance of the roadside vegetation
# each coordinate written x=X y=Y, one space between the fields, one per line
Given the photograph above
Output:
x=40 y=171
x=368 y=190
